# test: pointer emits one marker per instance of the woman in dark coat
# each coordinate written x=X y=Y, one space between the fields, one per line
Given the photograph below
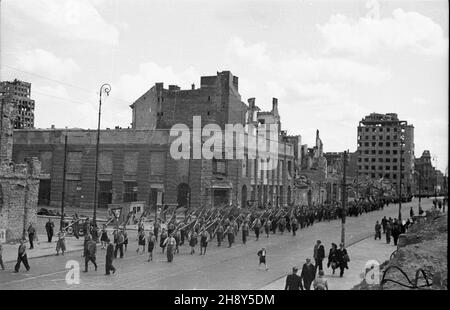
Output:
x=342 y=258
x=332 y=258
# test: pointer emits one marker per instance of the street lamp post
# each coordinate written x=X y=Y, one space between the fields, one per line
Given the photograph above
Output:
x=105 y=88
x=436 y=172
x=344 y=200
x=401 y=178
x=63 y=194
x=420 y=195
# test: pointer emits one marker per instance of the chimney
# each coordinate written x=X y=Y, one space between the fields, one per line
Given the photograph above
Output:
x=193 y=86
x=275 y=106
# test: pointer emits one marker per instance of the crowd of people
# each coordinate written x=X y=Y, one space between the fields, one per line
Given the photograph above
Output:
x=199 y=228
x=314 y=274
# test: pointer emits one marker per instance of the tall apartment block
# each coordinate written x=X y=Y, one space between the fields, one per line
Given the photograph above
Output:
x=380 y=153
x=18 y=92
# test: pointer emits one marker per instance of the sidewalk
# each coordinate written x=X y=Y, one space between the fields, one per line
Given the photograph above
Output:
x=360 y=253
x=41 y=248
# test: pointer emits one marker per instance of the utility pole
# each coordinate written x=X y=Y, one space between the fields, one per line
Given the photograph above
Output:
x=401 y=178
x=436 y=172
x=344 y=200
x=63 y=194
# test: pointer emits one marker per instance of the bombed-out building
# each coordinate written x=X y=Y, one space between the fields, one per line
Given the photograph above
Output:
x=137 y=164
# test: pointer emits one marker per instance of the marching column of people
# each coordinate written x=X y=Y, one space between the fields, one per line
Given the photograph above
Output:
x=207 y=228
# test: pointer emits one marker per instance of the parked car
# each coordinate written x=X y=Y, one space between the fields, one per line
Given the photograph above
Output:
x=70 y=230
x=48 y=212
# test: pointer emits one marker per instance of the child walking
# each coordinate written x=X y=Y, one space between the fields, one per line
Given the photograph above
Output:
x=262 y=258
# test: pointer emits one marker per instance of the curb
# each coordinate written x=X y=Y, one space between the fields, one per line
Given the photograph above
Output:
x=44 y=255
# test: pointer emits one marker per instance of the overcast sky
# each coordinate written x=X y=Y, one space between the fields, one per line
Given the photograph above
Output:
x=329 y=63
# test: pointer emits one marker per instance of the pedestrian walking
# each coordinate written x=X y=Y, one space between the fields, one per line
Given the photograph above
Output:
x=87 y=237
x=109 y=258
x=396 y=231
x=103 y=237
x=1 y=257
x=49 y=229
x=86 y=226
x=332 y=258
x=125 y=238
x=267 y=226
x=343 y=259
x=320 y=283
x=230 y=235
x=293 y=281
x=244 y=232
x=156 y=228
x=90 y=254
x=262 y=258
x=294 y=225
x=177 y=236
x=282 y=225
x=257 y=228
x=170 y=243
x=383 y=224
x=308 y=274
x=388 y=232
x=76 y=226
x=119 y=244
x=377 y=231
x=193 y=239
x=31 y=235
x=151 y=245
x=22 y=256
x=204 y=238
x=141 y=241
x=162 y=240
x=411 y=212
x=219 y=233
x=61 y=243
x=319 y=255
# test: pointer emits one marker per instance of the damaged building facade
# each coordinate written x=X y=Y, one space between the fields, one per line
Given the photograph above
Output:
x=135 y=164
x=19 y=181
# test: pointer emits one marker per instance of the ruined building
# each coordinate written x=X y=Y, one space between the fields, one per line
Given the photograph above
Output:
x=18 y=93
x=386 y=150
x=19 y=182
x=136 y=164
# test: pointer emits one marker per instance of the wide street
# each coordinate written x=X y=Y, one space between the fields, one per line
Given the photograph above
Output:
x=220 y=268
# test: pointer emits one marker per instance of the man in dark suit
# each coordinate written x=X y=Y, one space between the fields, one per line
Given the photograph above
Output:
x=90 y=254
x=109 y=258
x=308 y=274
x=319 y=255
x=294 y=281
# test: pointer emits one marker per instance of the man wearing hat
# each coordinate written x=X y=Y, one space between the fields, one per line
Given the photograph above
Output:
x=294 y=281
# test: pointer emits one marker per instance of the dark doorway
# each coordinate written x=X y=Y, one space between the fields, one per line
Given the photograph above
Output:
x=153 y=198
x=183 y=195
x=244 y=196
x=221 y=197
x=104 y=194
x=289 y=195
x=44 y=192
